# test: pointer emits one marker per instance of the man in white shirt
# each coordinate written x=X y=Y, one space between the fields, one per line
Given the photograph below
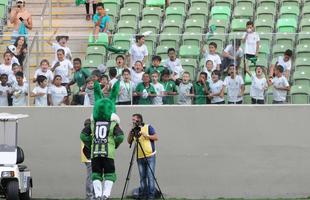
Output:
x=174 y=64
x=280 y=86
x=251 y=40
x=138 y=51
x=232 y=54
x=286 y=62
x=235 y=86
x=212 y=55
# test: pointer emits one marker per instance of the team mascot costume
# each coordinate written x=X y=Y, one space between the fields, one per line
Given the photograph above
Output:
x=106 y=136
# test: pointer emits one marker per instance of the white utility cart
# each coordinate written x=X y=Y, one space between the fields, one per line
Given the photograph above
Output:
x=15 y=179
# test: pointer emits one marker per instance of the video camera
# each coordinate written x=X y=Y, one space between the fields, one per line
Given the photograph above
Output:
x=135 y=131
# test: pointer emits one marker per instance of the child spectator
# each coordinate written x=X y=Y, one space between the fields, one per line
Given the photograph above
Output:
x=6 y=67
x=216 y=89
x=259 y=85
x=12 y=78
x=280 y=86
x=185 y=90
x=20 y=91
x=138 y=51
x=137 y=73
x=62 y=67
x=87 y=5
x=156 y=60
x=105 y=85
x=169 y=87
x=4 y=90
x=40 y=91
x=62 y=42
x=159 y=88
x=145 y=91
x=12 y=49
x=286 y=62
x=208 y=69
x=212 y=55
x=232 y=54
x=126 y=89
x=88 y=95
x=45 y=71
x=57 y=94
x=174 y=64
x=251 y=40
x=235 y=86
x=101 y=21
x=201 y=89
x=112 y=76
x=120 y=65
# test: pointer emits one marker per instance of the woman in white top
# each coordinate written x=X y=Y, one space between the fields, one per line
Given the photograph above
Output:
x=138 y=51
x=259 y=85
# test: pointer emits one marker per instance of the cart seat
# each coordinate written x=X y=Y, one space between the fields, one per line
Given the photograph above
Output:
x=22 y=168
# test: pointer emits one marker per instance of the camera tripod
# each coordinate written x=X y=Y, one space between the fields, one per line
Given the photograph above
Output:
x=135 y=151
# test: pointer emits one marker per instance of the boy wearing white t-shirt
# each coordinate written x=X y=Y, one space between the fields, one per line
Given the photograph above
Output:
x=20 y=91
x=259 y=85
x=62 y=41
x=174 y=64
x=126 y=88
x=216 y=89
x=286 y=62
x=40 y=91
x=212 y=55
x=137 y=73
x=159 y=88
x=138 y=51
x=280 y=86
x=62 y=67
x=251 y=40
x=4 y=90
x=208 y=68
x=235 y=86
x=57 y=94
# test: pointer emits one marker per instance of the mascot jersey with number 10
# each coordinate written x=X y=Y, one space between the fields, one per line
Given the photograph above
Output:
x=106 y=137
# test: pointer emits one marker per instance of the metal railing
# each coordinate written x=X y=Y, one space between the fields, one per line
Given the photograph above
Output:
x=47 y=4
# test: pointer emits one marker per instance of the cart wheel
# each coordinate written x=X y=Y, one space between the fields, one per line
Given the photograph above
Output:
x=12 y=190
x=26 y=195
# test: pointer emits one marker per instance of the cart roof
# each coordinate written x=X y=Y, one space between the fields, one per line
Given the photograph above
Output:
x=12 y=117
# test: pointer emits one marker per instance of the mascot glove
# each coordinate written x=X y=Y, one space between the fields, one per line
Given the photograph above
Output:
x=115 y=118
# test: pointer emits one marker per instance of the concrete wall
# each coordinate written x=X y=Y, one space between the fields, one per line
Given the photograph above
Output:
x=203 y=152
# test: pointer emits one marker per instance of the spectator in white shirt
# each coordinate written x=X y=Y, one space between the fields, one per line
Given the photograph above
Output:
x=126 y=89
x=259 y=85
x=62 y=67
x=159 y=88
x=138 y=51
x=137 y=73
x=40 y=91
x=216 y=89
x=120 y=65
x=251 y=40
x=286 y=62
x=5 y=90
x=212 y=55
x=112 y=76
x=57 y=94
x=235 y=86
x=232 y=54
x=20 y=91
x=208 y=68
x=62 y=42
x=45 y=71
x=174 y=64
x=6 y=67
x=280 y=86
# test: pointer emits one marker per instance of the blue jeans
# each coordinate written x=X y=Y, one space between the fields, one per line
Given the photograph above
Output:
x=147 y=181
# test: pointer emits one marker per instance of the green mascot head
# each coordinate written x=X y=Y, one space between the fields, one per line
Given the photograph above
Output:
x=104 y=107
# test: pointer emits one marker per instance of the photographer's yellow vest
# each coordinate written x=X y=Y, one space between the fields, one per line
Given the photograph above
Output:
x=146 y=144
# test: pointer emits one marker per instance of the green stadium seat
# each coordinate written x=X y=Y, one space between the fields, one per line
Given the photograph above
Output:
x=152 y=13
x=300 y=94
x=226 y=3
x=304 y=38
x=172 y=26
x=179 y=3
x=265 y=12
x=200 y=3
x=194 y=25
x=264 y=50
x=150 y=25
x=235 y=36
x=290 y=2
x=303 y=51
x=190 y=65
x=305 y=25
x=112 y=12
x=162 y=51
x=269 y=3
x=4 y=2
x=262 y=61
x=103 y=39
x=169 y=40
x=220 y=12
x=122 y=40
x=284 y=39
x=221 y=25
x=266 y=37
x=244 y=12
x=189 y=51
x=238 y=25
x=305 y=69
x=306 y=11
x=93 y=61
x=278 y=50
x=262 y=26
x=199 y=13
x=156 y=3
x=129 y=14
x=136 y=4
x=125 y=26
x=96 y=50
x=302 y=62
x=175 y=13
x=301 y=78
x=111 y=63
x=245 y=3
x=289 y=12
x=192 y=38
x=150 y=46
x=287 y=25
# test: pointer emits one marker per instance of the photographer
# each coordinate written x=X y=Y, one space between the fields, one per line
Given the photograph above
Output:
x=146 y=160
x=20 y=17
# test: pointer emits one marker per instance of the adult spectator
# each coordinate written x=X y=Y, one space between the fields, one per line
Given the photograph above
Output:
x=21 y=49
x=232 y=54
x=21 y=20
x=138 y=51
